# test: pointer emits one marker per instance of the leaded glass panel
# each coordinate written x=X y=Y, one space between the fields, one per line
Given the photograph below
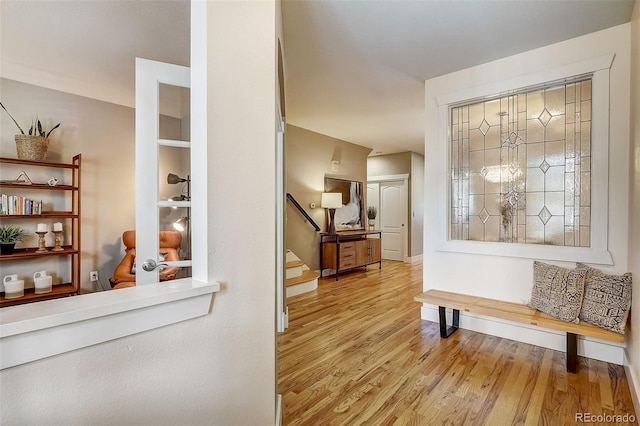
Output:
x=521 y=167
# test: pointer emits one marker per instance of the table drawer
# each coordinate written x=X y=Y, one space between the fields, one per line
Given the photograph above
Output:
x=348 y=263
x=348 y=246
x=349 y=255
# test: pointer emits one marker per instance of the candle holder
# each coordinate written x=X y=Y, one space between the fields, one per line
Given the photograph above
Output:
x=57 y=241
x=41 y=247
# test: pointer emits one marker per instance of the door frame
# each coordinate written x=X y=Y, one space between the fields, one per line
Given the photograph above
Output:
x=405 y=191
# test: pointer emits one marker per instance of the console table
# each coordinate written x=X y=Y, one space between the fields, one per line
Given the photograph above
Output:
x=347 y=250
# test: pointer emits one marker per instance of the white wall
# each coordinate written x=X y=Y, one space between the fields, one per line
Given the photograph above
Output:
x=218 y=369
x=509 y=278
x=633 y=342
x=242 y=184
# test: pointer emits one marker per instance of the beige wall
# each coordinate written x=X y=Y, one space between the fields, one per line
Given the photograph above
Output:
x=104 y=134
x=214 y=370
x=391 y=164
x=416 y=201
x=633 y=348
x=308 y=160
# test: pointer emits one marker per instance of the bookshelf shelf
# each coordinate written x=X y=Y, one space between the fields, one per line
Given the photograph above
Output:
x=71 y=219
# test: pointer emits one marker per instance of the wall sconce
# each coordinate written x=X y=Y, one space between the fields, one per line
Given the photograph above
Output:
x=331 y=201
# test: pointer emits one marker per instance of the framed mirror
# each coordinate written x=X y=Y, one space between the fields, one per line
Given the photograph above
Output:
x=351 y=215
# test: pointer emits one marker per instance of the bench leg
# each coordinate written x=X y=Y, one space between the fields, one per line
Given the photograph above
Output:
x=444 y=331
x=572 y=352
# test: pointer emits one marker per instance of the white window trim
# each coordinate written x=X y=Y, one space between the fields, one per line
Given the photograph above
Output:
x=598 y=253
x=39 y=330
x=52 y=327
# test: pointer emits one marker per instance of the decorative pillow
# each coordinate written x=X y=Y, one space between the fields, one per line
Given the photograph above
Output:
x=607 y=299
x=557 y=291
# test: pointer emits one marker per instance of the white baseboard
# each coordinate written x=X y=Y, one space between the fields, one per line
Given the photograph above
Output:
x=278 y=410
x=634 y=381
x=588 y=347
x=414 y=259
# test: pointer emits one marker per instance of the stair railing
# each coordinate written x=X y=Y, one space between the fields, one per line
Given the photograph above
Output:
x=302 y=211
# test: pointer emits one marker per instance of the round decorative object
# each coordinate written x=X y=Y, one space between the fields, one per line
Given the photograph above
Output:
x=32 y=148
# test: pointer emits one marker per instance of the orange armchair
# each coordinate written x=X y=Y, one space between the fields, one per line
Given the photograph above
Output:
x=169 y=245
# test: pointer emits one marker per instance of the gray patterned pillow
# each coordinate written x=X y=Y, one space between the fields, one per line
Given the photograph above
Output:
x=557 y=291
x=607 y=299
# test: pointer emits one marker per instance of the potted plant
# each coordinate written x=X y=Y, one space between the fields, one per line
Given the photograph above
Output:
x=372 y=212
x=32 y=146
x=9 y=235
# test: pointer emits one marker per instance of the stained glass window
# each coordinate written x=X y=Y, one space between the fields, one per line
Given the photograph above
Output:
x=521 y=167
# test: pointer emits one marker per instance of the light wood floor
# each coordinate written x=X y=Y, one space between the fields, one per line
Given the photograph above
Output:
x=357 y=352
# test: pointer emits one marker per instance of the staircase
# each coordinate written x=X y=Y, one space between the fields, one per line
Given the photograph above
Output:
x=299 y=278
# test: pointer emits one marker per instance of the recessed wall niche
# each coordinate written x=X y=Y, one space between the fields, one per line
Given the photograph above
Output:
x=521 y=166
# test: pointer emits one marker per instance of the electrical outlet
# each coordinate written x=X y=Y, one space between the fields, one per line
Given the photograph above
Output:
x=93 y=275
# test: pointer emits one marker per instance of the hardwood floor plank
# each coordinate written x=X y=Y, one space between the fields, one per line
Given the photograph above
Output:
x=357 y=353
x=537 y=398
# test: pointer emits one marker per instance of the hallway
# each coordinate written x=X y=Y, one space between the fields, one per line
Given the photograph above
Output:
x=356 y=352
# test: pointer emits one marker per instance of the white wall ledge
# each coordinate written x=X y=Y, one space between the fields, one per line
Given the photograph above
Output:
x=529 y=251
x=39 y=330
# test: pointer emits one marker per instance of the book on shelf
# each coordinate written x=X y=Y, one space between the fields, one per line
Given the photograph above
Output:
x=18 y=205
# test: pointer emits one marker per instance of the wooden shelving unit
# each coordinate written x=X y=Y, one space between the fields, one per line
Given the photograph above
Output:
x=70 y=218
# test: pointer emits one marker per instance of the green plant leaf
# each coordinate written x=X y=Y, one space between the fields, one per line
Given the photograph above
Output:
x=14 y=120
x=54 y=127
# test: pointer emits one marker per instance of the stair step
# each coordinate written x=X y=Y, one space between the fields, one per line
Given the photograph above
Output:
x=307 y=275
x=294 y=263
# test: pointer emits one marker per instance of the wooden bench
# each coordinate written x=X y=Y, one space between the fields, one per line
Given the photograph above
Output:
x=516 y=312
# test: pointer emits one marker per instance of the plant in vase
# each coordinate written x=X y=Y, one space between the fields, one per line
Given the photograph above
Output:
x=9 y=236
x=32 y=146
x=372 y=212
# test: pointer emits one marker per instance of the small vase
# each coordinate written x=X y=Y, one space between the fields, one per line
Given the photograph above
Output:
x=13 y=287
x=7 y=248
x=372 y=223
x=42 y=282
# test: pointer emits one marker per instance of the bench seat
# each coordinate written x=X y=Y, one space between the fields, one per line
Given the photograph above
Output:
x=511 y=311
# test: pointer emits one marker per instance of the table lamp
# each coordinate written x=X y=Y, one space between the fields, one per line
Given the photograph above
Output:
x=331 y=201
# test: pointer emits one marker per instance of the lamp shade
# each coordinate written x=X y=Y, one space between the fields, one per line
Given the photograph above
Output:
x=180 y=224
x=172 y=179
x=331 y=200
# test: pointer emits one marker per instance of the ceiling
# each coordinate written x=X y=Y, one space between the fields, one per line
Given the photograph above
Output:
x=354 y=69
